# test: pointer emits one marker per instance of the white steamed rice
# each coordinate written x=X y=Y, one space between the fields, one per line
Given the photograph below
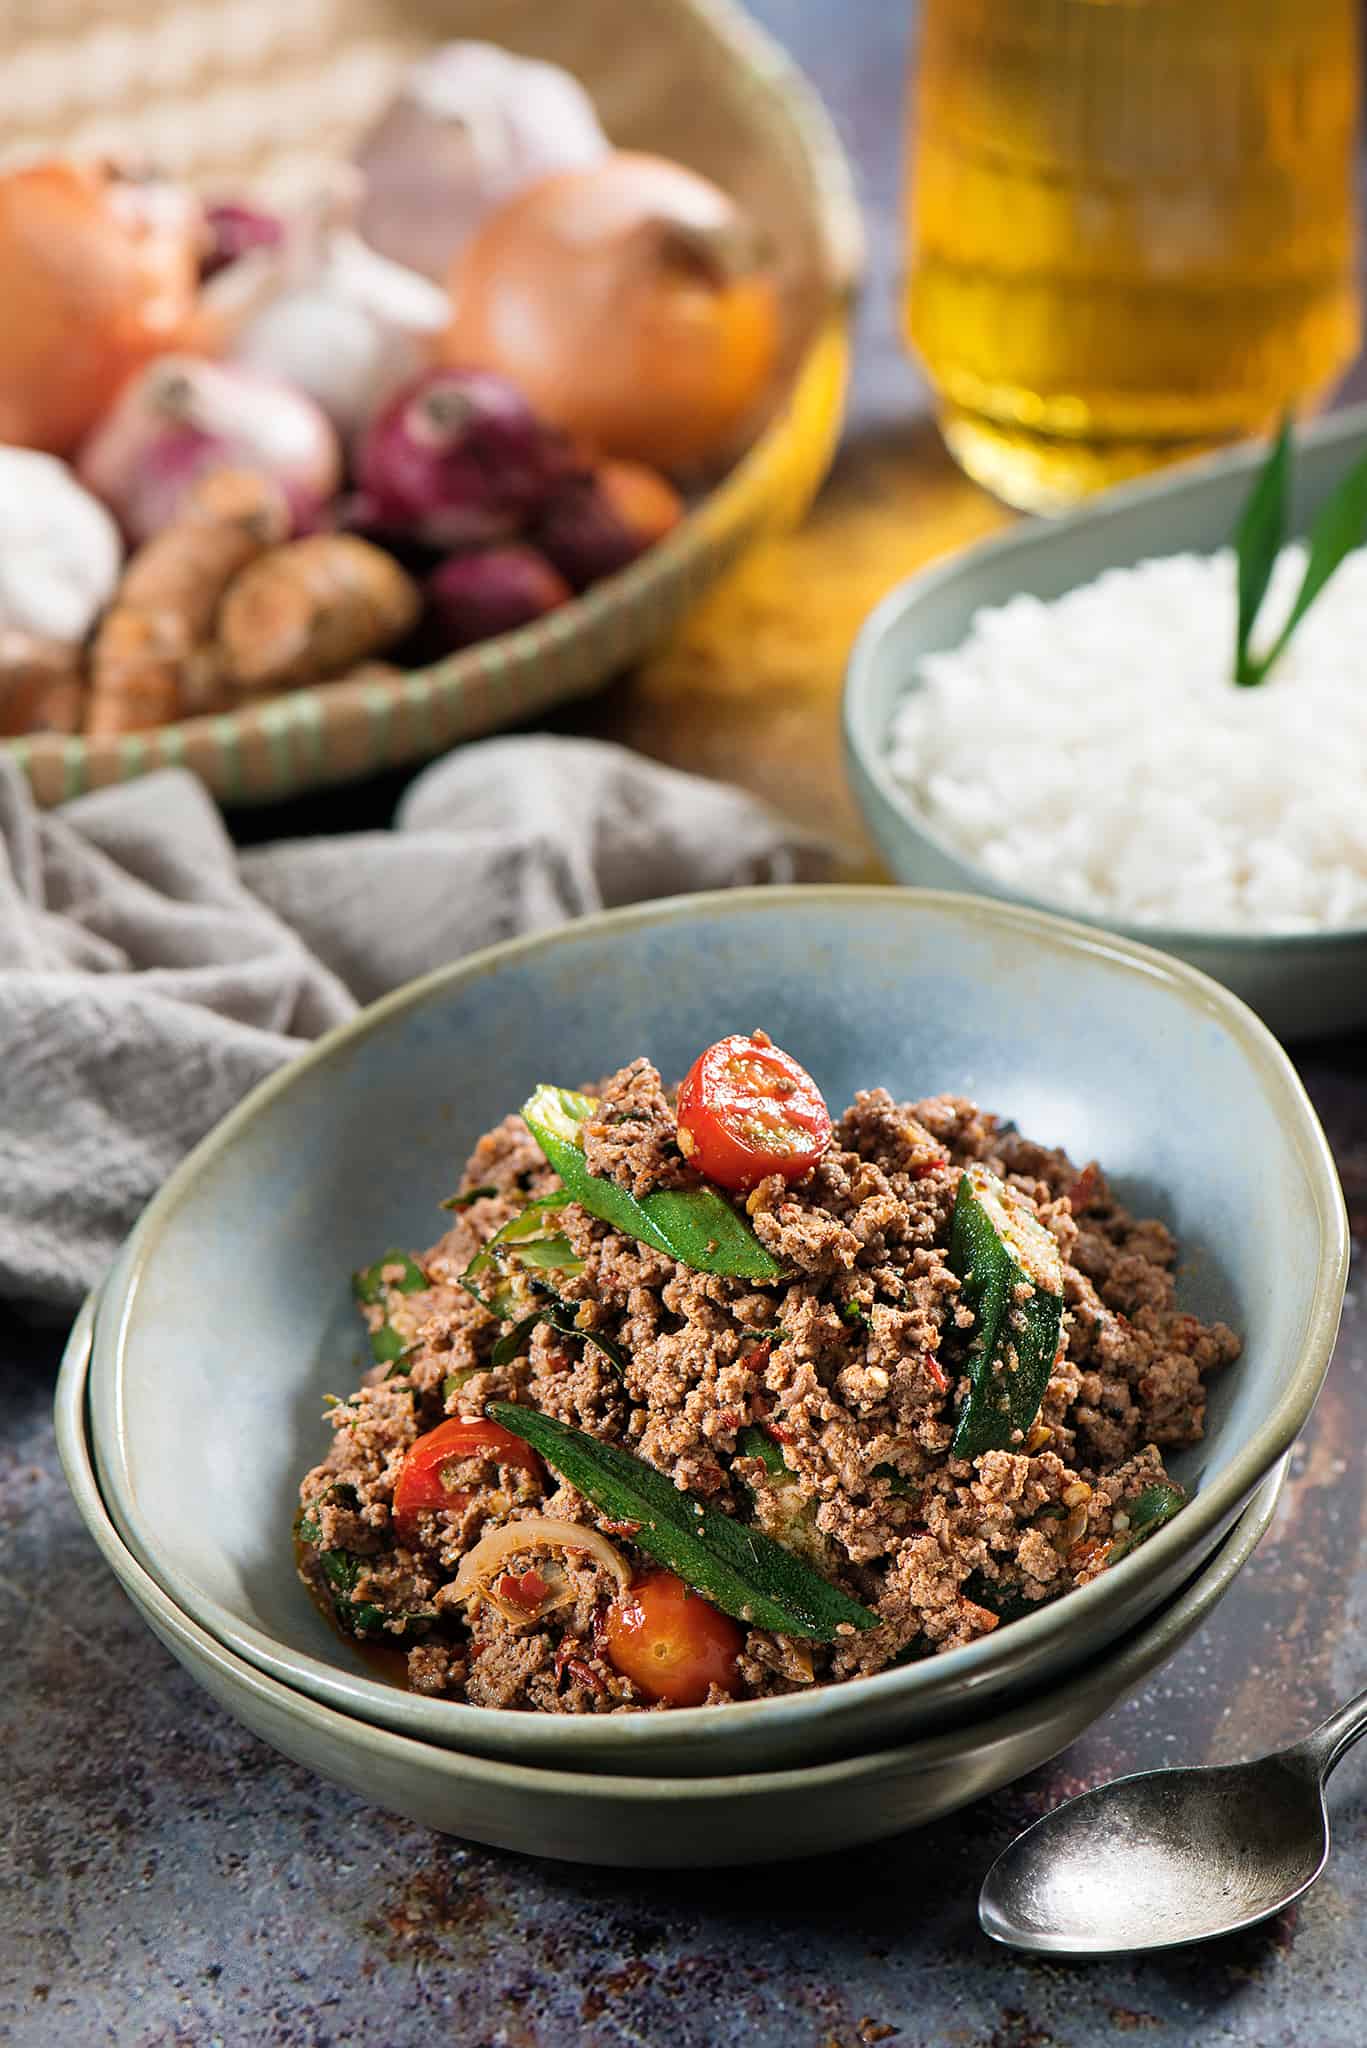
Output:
x=1094 y=751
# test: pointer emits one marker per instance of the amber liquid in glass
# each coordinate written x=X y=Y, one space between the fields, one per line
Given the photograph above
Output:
x=1132 y=227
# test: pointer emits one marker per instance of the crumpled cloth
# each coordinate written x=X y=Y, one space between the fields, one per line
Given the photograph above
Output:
x=150 y=973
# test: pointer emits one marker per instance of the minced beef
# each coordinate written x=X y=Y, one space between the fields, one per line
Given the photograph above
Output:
x=849 y=1365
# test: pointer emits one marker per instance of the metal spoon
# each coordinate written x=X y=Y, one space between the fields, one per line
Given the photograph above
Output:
x=1170 y=1856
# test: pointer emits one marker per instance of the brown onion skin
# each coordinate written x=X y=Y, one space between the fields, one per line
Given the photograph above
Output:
x=628 y=301
x=98 y=273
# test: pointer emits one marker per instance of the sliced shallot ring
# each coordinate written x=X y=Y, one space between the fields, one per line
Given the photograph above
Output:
x=537 y=1532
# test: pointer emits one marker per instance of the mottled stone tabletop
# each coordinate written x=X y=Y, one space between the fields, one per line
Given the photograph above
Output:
x=165 y=1879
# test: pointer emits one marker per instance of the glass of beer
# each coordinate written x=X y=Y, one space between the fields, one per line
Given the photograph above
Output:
x=1132 y=227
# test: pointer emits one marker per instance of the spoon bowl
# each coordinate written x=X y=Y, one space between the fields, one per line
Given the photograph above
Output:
x=1170 y=1857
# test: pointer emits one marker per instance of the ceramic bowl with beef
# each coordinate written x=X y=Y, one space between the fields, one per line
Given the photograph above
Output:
x=656 y=1820
x=229 y=1317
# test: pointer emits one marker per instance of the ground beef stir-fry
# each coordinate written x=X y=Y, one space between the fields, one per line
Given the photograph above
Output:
x=817 y=1406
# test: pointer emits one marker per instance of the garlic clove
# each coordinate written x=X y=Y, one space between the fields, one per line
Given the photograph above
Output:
x=472 y=125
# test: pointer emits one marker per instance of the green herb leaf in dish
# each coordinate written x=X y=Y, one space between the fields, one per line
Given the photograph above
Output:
x=899 y=1484
x=1002 y=1597
x=696 y=1226
x=753 y=1443
x=1011 y=1274
x=1148 y=1511
x=793 y=1523
x=562 y=1316
x=370 y=1285
x=529 y=1240
x=737 y=1568
x=514 y=1341
x=342 y=1571
x=386 y=1345
x=454 y=1381
x=516 y=1267
x=468 y=1196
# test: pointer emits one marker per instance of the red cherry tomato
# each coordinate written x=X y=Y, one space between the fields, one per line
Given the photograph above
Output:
x=422 y=1481
x=747 y=1110
x=670 y=1642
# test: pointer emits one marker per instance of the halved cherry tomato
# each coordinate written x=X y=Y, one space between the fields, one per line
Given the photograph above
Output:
x=747 y=1110
x=670 y=1642
x=422 y=1481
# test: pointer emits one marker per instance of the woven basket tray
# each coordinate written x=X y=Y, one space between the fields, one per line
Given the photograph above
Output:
x=236 y=93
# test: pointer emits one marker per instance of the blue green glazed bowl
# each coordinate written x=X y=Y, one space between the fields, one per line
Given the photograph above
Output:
x=1302 y=984
x=652 y=1821
x=227 y=1316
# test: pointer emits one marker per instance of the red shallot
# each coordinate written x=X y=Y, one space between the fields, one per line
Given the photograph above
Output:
x=491 y=590
x=184 y=417
x=456 y=459
x=603 y=521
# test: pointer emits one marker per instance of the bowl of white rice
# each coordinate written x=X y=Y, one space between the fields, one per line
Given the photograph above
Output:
x=1051 y=718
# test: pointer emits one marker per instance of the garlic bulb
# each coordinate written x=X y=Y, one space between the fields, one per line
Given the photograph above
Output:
x=471 y=126
x=60 y=549
x=329 y=316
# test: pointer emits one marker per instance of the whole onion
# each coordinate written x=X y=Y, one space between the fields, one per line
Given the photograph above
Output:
x=472 y=124
x=492 y=590
x=633 y=302
x=459 y=458
x=98 y=273
x=183 y=417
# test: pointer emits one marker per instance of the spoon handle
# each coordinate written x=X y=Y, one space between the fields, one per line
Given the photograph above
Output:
x=1336 y=1736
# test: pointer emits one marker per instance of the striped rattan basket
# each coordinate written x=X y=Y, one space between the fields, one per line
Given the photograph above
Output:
x=237 y=93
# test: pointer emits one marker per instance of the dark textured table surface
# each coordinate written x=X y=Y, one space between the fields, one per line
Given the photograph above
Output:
x=164 y=1879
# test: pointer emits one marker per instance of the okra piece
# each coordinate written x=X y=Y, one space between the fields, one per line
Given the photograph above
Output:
x=1010 y=1272
x=737 y=1567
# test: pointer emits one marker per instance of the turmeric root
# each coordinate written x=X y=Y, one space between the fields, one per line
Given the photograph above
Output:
x=313 y=609
x=42 y=684
x=152 y=658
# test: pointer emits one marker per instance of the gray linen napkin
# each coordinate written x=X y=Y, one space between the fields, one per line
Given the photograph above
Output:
x=150 y=974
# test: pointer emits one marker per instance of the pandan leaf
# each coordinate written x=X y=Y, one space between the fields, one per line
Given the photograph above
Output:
x=1339 y=527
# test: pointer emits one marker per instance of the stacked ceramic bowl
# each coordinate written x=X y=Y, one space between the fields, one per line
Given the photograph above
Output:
x=189 y=1400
